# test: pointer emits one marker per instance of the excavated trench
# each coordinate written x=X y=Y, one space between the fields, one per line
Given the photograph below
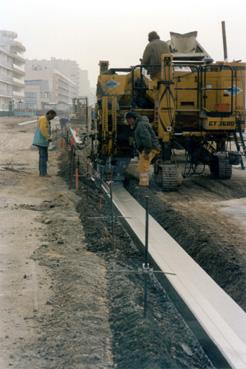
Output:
x=213 y=243
x=163 y=340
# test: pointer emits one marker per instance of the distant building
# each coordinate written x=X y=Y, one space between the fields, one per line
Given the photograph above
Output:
x=69 y=68
x=92 y=96
x=11 y=72
x=85 y=88
x=49 y=85
x=84 y=84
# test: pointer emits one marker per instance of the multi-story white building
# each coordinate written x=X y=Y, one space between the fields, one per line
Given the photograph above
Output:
x=84 y=84
x=84 y=87
x=11 y=72
x=47 y=84
x=69 y=68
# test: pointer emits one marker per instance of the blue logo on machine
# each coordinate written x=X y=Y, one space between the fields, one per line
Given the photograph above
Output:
x=111 y=84
x=233 y=91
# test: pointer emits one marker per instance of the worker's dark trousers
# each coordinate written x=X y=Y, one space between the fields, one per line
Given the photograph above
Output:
x=43 y=158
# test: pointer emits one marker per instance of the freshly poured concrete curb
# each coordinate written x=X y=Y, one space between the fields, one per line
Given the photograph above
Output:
x=222 y=320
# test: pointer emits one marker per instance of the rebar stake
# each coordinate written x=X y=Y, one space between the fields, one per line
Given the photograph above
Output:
x=112 y=213
x=77 y=175
x=146 y=251
x=71 y=168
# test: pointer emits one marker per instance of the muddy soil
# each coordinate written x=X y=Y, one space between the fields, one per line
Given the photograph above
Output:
x=194 y=216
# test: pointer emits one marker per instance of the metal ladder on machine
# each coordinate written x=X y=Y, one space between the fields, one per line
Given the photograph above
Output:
x=240 y=144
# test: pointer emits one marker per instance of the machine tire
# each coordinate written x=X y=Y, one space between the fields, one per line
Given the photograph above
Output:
x=214 y=167
x=221 y=168
x=225 y=168
x=167 y=177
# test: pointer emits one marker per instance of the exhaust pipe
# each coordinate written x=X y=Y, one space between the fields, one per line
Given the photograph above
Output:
x=224 y=41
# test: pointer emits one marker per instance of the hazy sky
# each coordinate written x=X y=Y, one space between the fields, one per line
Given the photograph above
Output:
x=116 y=30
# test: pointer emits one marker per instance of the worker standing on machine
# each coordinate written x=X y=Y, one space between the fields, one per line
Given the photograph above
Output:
x=152 y=54
x=146 y=143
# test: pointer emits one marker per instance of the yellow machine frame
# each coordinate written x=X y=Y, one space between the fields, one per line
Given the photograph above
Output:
x=197 y=106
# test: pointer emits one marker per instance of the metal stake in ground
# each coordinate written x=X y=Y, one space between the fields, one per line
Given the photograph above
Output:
x=71 y=167
x=146 y=251
x=146 y=231
x=67 y=138
x=77 y=174
x=112 y=212
x=87 y=183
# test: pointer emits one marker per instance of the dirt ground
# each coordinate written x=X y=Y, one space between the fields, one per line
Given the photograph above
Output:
x=71 y=296
x=53 y=306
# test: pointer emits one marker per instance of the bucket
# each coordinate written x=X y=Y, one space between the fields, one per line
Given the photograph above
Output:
x=144 y=179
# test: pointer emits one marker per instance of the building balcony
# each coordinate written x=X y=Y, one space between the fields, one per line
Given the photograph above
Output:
x=62 y=96
x=7 y=95
x=18 y=59
x=18 y=46
x=9 y=35
x=5 y=66
x=18 y=83
x=19 y=95
x=63 y=102
x=63 y=90
x=18 y=71
x=7 y=80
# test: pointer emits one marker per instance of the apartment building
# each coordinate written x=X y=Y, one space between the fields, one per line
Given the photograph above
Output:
x=11 y=72
x=69 y=68
x=84 y=87
x=84 y=84
x=46 y=86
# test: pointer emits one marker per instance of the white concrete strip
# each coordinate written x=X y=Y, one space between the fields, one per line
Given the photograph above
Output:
x=221 y=318
x=27 y=122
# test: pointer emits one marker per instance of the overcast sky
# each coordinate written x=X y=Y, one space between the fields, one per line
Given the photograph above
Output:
x=116 y=30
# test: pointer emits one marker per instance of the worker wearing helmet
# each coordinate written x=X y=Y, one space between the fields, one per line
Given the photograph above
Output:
x=42 y=138
x=146 y=143
x=152 y=54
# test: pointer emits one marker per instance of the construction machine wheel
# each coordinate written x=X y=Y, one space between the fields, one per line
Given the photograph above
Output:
x=225 y=169
x=221 y=167
x=166 y=176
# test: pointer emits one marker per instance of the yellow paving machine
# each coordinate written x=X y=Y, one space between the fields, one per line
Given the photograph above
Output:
x=195 y=104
